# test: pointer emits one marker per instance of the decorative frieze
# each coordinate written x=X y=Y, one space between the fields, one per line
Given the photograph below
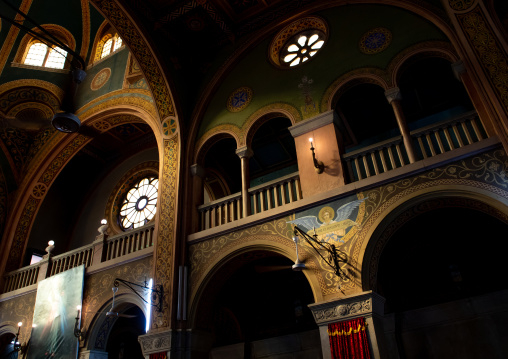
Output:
x=365 y=304
x=155 y=343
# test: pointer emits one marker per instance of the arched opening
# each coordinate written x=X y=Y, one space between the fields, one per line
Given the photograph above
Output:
x=443 y=276
x=223 y=172
x=7 y=346
x=76 y=202
x=431 y=92
x=274 y=152
x=256 y=301
x=366 y=116
x=123 y=337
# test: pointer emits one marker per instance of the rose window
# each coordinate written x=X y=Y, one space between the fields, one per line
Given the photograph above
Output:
x=140 y=204
x=301 y=47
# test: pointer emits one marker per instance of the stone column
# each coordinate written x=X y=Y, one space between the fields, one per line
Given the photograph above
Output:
x=245 y=153
x=198 y=174
x=487 y=60
x=368 y=305
x=327 y=142
x=393 y=96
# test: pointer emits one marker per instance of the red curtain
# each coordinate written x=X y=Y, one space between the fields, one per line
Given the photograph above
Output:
x=162 y=355
x=348 y=339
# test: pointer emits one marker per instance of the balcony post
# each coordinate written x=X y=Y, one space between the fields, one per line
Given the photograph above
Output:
x=198 y=174
x=45 y=263
x=245 y=153
x=100 y=245
x=393 y=96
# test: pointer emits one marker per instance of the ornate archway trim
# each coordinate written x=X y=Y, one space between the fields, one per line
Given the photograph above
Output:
x=51 y=87
x=260 y=242
x=213 y=135
x=141 y=51
x=365 y=75
x=445 y=197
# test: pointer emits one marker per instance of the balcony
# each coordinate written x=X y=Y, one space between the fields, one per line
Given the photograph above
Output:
x=376 y=164
x=102 y=253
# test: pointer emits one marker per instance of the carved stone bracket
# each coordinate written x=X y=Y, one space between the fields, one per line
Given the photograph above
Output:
x=363 y=305
x=155 y=342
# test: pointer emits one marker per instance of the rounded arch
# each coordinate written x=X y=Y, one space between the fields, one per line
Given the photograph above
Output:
x=351 y=79
x=264 y=114
x=213 y=266
x=423 y=50
x=57 y=31
x=211 y=137
x=101 y=325
x=396 y=214
x=20 y=222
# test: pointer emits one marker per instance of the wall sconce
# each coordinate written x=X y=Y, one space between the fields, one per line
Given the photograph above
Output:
x=78 y=331
x=17 y=345
x=318 y=165
x=335 y=256
x=157 y=297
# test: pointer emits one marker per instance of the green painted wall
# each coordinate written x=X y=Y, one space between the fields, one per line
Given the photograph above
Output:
x=340 y=55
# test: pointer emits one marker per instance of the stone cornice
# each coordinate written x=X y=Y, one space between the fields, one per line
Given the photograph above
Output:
x=314 y=123
x=155 y=342
x=363 y=305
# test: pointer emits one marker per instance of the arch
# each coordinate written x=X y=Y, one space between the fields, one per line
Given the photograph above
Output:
x=58 y=31
x=426 y=49
x=395 y=215
x=264 y=114
x=104 y=33
x=273 y=244
x=100 y=326
x=20 y=221
x=212 y=137
x=350 y=79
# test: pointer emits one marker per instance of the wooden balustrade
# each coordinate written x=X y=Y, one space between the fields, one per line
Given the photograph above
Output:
x=428 y=142
x=376 y=159
x=448 y=135
x=275 y=193
x=21 y=278
x=262 y=198
x=114 y=247
x=72 y=259
x=129 y=242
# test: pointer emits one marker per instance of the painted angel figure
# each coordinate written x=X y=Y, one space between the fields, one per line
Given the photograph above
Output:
x=327 y=216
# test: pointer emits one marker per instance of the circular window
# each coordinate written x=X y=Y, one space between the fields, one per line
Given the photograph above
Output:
x=298 y=42
x=301 y=47
x=140 y=204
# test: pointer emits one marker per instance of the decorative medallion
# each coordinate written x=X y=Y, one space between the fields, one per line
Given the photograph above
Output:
x=375 y=41
x=308 y=27
x=461 y=5
x=100 y=79
x=169 y=127
x=39 y=190
x=239 y=99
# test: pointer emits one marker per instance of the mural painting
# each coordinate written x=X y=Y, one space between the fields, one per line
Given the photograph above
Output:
x=55 y=315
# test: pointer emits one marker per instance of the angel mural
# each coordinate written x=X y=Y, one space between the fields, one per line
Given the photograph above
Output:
x=330 y=225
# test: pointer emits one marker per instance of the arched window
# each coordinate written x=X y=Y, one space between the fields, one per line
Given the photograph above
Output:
x=108 y=44
x=39 y=54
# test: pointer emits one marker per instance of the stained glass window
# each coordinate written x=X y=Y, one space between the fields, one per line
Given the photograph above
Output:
x=140 y=204
x=301 y=47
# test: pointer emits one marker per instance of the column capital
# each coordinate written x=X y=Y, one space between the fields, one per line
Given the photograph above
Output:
x=323 y=119
x=157 y=342
x=353 y=306
x=458 y=69
x=393 y=94
x=244 y=152
x=197 y=170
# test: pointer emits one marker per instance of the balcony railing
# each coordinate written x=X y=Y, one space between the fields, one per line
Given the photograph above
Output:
x=428 y=142
x=91 y=255
x=262 y=198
